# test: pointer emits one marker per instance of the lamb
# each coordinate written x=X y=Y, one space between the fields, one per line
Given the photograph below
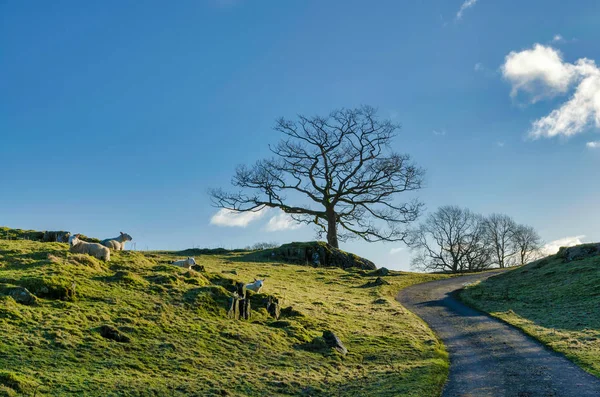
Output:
x=185 y=263
x=117 y=243
x=256 y=285
x=78 y=246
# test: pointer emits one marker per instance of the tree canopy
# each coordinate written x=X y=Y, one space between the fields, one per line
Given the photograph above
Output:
x=342 y=172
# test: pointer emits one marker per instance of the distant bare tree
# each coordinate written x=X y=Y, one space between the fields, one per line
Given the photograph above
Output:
x=527 y=242
x=450 y=239
x=343 y=165
x=499 y=230
x=263 y=245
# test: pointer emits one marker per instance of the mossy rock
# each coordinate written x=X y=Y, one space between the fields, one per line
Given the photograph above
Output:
x=579 y=252
x=318 y=254
x=19 y=294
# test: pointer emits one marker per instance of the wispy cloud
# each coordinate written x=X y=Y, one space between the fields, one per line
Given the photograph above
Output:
x=593 y=145
x=439 y=132
x=478 y=67
x=540 y=72
x=394 y=251
x=281 y=222
x=558 y=38
x=552 y=247
x=466 y=5
x=225 y=217
x=500 y=144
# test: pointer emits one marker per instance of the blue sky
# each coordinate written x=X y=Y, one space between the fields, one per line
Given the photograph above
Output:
x=120 y=116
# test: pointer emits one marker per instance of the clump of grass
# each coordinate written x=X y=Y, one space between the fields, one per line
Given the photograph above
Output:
x=16 y=382
x=551 y=300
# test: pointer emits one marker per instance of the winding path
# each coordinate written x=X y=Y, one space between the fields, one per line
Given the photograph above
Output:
x=488 y=357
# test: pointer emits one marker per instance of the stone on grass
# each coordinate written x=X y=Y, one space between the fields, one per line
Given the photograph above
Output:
x=334 y=342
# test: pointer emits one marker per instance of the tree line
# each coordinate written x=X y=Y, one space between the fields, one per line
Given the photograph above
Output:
x=454 y=239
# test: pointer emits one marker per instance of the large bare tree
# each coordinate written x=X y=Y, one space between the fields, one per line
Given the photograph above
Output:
x=452 y=239
x=337 y=172
x=527 y=243
x=499 y=230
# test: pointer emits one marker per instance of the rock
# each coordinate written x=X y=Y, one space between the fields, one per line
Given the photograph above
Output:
x=56 y=236
x=22 y=295
x=334 y=342
x=382 y=271
x=375 y=283
x=110 y=332
x=319 y=254
x=579 y=252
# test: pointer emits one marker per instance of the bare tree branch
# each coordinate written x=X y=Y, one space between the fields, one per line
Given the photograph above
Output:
x=344 y=168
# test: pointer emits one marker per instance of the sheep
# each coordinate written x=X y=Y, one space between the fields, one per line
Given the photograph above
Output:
x=117 y=243
x=185 y=263
x=78 y=246
x=256 y=285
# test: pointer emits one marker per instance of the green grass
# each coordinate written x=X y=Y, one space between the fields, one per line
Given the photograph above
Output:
x=181 y=342
x=553 y=301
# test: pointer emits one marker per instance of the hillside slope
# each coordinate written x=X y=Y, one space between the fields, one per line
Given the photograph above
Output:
x=139 y=326
x=555 y=299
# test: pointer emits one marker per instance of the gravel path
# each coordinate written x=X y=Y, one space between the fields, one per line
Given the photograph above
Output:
x=488 y=357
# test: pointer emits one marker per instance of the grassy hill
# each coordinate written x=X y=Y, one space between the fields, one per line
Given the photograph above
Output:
x=552 y=299
x=174 y=337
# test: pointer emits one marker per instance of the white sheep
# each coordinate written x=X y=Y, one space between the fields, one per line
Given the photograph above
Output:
x=185 y=263
x=78 y=246
x=117 y=243
x=255 y=286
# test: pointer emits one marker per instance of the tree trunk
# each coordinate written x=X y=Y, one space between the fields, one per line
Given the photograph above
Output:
x=332 y=238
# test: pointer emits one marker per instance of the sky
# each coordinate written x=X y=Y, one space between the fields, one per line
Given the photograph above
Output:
x=120 y=116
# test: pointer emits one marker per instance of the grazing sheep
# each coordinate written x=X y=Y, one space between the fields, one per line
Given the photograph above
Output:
x=78 y=246
x=256 y=285
x=117 y=243
x=185 y=263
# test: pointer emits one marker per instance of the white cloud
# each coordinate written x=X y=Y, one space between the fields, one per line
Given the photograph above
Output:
x=226 y=217
x=478 y=67
x=280 y=222
x=394 y=251
x=439 y=132
x=539 y=71
x=542 y=73
x=593 y=145
x=552 y=247
x=500 y=144
x=558 y=38
x=467 y=4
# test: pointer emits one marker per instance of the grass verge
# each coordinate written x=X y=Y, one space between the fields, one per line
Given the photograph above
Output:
x=554 y=301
